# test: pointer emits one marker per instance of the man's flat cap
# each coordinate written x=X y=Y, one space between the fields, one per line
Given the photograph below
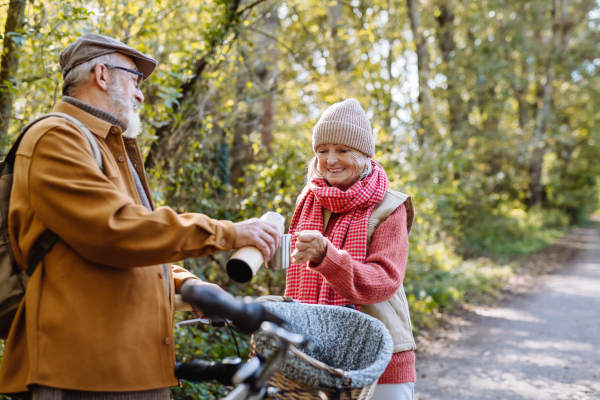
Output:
x=90 y=46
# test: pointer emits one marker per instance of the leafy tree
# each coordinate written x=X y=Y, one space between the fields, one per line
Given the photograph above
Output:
x=485 y=112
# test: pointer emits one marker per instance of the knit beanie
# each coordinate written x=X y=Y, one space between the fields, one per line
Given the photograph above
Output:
x=345 y=123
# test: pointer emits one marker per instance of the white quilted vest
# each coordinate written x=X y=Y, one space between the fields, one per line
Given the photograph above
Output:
x=394 y=312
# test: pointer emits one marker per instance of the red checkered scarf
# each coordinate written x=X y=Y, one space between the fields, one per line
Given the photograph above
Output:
x=349 y=233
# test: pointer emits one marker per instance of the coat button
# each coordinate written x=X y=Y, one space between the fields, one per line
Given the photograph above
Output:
x=223 y=242
x=121 y=159
x=161 y=274
x=168 y=341
x=114 y=129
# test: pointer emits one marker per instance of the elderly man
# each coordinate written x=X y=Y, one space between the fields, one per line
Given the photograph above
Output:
x=96 y=320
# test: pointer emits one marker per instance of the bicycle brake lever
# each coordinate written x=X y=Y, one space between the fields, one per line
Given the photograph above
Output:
x=215 y=321
x=192 y=322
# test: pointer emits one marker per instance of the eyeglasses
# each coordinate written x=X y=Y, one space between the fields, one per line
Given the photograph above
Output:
x=138 y=81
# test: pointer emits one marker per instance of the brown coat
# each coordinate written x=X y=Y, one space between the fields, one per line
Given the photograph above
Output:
x=96 y=315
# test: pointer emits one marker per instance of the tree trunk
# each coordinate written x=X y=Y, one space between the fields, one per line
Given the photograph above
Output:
x=445 y=32
x=425 y=125
x=266 y=121
x=387 y=122
x=543 y=112
x=241 y=151
x=267 y=73
x=261 y=109
x=523 y=89
x=539 y=140
x=188 y=88
x=15 y=19
x=520 y=85
x=393 y=29
x=340 y=52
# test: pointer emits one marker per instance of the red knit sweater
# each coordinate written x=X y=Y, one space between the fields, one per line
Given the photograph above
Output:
x=375 y=280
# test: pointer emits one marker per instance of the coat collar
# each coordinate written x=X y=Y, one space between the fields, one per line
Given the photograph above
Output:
x=97 y=125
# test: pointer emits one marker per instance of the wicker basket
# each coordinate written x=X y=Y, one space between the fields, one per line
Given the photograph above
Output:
x=289 y=389
x=308 y=375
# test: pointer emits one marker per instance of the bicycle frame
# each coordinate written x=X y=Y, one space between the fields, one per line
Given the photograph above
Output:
x=253 y=378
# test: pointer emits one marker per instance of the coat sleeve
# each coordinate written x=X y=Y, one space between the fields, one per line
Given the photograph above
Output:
x=181 y=275
x=382 y=273
x=75 y=200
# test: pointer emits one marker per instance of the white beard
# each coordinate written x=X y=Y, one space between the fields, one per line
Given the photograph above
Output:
x=125 y=111
x=134 y=125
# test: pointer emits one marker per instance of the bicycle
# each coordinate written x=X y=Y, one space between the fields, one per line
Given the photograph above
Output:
x=250 y=378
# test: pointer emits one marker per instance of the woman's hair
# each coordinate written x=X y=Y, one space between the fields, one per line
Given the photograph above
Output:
x=313 y=170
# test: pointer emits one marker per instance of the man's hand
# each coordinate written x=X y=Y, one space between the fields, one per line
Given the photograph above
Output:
x=254 y=232
x=310 y=246
x=198 y=312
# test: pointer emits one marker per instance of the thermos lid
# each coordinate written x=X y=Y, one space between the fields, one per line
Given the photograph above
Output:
x=276 y=214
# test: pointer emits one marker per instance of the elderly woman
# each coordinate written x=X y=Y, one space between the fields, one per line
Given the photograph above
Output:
x=350 y=233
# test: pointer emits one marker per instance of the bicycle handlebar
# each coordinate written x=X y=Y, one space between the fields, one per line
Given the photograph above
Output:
x=247 y=317
x=202 y=371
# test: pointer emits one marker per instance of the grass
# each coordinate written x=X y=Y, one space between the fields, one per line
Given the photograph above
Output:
x=512 y=233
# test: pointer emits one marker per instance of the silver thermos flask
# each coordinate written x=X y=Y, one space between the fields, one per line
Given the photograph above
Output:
x=245 y=262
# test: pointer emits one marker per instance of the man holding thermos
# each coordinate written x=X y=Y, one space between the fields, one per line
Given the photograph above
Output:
x=97 y=317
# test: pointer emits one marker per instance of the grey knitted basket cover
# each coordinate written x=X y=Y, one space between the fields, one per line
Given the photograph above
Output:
x=343 y=338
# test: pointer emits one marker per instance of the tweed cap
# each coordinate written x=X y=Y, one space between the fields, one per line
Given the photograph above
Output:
x=90 y=46
x=345 y=123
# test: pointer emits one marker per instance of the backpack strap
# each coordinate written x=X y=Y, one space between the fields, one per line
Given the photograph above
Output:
x=10 y=157
x=84 y=129
x=41 y=247
x=45 y=243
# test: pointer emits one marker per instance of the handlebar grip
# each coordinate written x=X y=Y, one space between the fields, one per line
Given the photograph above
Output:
x=203 y=371
x=247 y=317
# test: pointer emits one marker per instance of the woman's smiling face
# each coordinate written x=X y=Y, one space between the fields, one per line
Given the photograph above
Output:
x=340 y=165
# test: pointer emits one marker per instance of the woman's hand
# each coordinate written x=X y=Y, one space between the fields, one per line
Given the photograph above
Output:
x=310 y=246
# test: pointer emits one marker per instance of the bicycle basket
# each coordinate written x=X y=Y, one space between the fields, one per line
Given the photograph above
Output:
x=351 y=351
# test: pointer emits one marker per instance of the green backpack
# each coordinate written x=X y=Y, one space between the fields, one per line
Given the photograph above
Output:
x=13 y=281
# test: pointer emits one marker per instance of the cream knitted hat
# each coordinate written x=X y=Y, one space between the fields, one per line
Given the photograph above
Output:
x=345 y=123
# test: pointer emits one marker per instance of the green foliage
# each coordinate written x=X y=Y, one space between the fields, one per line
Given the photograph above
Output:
x=513 y=231
x=229 y=112
x=211 y=344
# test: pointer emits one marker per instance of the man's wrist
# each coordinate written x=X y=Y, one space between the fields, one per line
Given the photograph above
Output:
x=187 y=281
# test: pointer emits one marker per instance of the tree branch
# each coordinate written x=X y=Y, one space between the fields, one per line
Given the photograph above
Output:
x=250 y=6
x=187 y=88
x=10 y=2
x=158 y=18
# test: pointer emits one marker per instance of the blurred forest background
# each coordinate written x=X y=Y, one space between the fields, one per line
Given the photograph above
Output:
x=484 y=111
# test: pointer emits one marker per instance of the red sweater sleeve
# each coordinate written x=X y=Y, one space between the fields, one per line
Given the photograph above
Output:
x=382 y=273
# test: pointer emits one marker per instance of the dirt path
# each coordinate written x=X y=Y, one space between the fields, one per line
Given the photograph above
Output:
x=545 y=345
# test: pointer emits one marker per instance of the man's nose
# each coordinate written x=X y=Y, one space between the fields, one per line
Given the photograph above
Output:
x=139 y=96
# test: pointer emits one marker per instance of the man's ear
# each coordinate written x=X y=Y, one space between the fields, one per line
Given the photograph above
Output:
x=100 y=75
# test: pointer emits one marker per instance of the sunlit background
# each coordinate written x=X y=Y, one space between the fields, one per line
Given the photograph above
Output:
x=486 y=112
